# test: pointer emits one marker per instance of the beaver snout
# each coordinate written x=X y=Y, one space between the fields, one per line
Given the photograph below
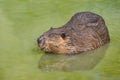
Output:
x=41 y=41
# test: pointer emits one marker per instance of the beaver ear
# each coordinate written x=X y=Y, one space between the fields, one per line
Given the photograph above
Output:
x=93 y=21
x=92 y=24
x=63 y=35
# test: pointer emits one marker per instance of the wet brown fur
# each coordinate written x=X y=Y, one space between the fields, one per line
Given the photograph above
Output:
x=85 y=31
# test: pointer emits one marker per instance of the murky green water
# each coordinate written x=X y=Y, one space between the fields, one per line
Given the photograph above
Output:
x=22 y=21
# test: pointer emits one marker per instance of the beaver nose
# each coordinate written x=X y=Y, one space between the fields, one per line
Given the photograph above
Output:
x=39 y=40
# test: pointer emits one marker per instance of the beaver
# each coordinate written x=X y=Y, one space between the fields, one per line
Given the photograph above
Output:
x=84 y=32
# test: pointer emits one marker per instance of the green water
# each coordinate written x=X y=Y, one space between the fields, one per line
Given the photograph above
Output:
x=22 y=21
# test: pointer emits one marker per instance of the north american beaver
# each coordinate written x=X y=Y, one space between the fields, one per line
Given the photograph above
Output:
x=85 y=31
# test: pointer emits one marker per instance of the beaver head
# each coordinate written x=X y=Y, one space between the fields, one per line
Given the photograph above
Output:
x=85 y=31
x=57 y=41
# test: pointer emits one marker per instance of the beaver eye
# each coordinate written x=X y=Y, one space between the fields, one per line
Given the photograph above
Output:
x=63 y=35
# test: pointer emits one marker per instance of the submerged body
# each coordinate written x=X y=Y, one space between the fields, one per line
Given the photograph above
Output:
x=85 y=31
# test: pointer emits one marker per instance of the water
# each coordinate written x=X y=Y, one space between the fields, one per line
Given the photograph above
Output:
x=22 y=21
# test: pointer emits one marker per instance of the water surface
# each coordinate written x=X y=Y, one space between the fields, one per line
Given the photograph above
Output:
x=22 y=21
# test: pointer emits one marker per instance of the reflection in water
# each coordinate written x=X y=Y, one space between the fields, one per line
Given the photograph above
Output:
x=84 y=61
